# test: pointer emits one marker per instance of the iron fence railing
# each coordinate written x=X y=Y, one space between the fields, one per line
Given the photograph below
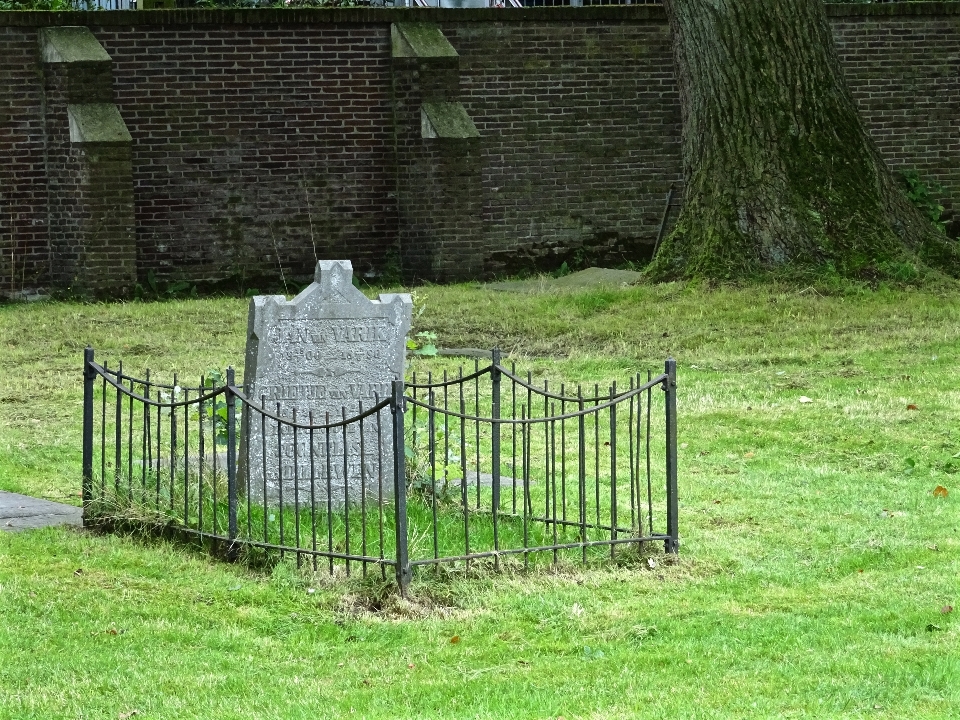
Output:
x=482 y=467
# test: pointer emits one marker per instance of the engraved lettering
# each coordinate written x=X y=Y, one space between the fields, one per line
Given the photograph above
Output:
x=328 y=354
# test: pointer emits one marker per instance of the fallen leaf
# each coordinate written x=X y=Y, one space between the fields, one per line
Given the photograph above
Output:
x=911 y=406
x=940 y=491
x=805 y=399
x=112 y=631
x=455 y=639
x=411 y=666
x=946 y=609
x=128 y=714
x=716 y=502
x=748 y=455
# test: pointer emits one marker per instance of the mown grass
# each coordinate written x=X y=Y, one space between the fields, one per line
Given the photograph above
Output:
x=816 y=566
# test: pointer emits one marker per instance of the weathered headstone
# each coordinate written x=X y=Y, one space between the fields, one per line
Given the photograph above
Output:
x=331 y=352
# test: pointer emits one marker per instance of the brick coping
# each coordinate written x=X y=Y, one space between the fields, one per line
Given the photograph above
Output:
x=313 y=16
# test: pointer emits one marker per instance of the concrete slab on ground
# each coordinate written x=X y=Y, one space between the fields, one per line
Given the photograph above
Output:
x=22 y=512
x=590 y=278
x=486 y=480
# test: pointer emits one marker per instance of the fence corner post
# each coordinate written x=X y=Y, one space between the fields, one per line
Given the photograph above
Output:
x=672 y=543
x=403 y=570
x=231 y=399
x=495 y=451
x=89 y=376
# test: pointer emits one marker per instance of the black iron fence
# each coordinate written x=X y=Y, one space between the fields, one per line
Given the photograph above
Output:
x=482 y=467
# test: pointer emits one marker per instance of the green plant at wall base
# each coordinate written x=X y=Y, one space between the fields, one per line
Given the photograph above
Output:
x=921 y=195
x=158 y=290
x=392 y=271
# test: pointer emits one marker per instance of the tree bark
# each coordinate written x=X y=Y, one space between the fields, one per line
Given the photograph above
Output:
x=780 y=171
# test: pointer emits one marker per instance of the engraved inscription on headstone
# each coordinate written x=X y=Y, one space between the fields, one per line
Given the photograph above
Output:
x=332 y=352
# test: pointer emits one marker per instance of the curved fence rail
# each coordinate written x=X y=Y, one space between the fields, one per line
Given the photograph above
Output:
x=485 y=466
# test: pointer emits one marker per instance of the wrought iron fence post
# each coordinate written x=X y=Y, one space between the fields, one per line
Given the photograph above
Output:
x=613 y=472
x=404 y=572
x=672 y=544
x=89 y=376
x=231 y=458
x=495 y=451
x=118 y=434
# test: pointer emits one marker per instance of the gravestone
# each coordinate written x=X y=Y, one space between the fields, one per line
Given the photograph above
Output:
x=334 y=353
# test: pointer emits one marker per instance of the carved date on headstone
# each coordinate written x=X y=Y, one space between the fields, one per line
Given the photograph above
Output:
x=331 y=352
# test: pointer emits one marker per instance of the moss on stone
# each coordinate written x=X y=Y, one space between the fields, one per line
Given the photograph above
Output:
x=446 y=120
x=420 y=40
x=97 y=123
x=71 y=45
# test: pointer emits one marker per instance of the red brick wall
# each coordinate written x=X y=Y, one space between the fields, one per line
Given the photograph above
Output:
x=581 y=134
x=257 y=148
x=66 y=212
x=265 y=139
x=24 y=239
x=904 y=72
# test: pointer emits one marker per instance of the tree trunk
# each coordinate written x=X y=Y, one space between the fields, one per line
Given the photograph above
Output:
x=780 y=171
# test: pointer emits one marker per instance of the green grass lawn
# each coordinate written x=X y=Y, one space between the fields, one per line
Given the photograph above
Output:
x=815 y=571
